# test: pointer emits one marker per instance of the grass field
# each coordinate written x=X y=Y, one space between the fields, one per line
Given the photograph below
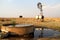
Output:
x=53 y=23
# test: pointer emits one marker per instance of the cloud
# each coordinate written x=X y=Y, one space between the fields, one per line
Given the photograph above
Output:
x=52 y=11
x=9 y=0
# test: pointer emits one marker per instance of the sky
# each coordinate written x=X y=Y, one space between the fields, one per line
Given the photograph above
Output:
x=28 y=8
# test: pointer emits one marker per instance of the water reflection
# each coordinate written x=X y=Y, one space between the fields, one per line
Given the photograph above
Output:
x=46 y=33
x=38 y=33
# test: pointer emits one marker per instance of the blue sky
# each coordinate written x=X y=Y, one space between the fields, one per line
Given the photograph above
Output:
x=28 y=8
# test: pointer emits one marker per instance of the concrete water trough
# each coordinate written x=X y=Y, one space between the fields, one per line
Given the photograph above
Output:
x=20 y=29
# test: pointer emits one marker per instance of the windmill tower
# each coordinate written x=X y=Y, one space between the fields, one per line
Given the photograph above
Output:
x=39 y=5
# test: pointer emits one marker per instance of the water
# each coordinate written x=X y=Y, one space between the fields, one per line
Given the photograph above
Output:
x=38 y=34
x=45 y=33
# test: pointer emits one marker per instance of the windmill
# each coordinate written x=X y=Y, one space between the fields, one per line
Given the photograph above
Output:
x=39 y=5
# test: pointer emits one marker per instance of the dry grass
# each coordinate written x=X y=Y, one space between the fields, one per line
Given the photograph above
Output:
x=53 y=23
